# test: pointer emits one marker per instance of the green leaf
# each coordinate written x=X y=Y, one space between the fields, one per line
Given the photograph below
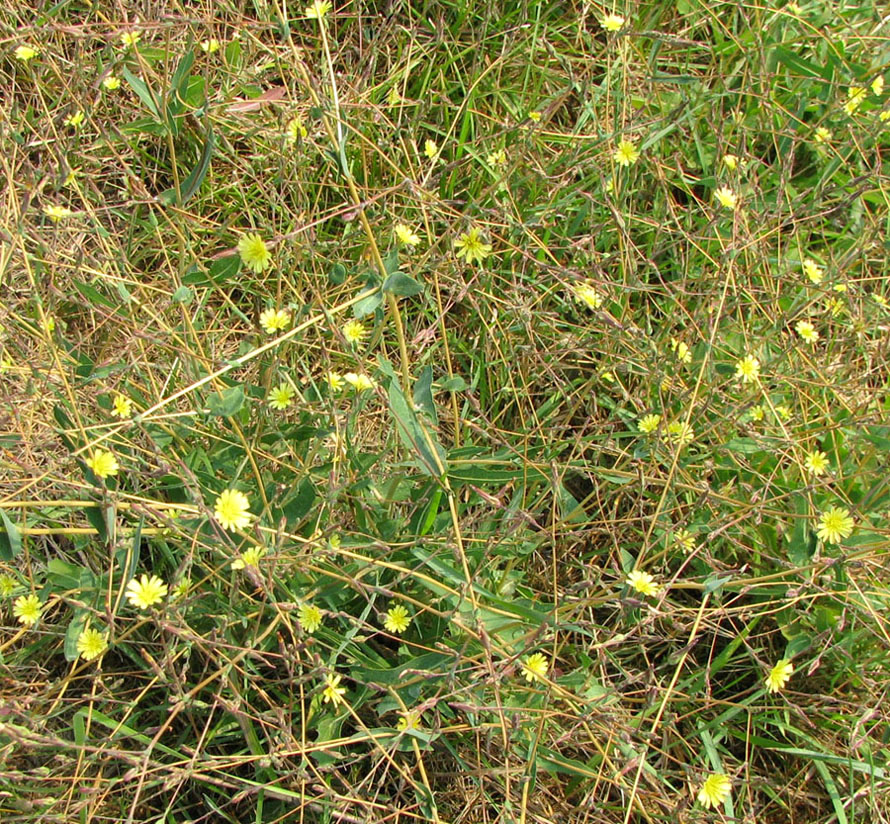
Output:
x=142 y=92
x=337 y=275
x=93 y=295
x=196 y=177
x=398 y=283
x=226 y=403
x=419 y=440
x=62 y=575
x=179 y=78
x=10 y=538
x=423 y=395
x=455 y=384
x=75 y=628
x=183 y=295
x=368 y=305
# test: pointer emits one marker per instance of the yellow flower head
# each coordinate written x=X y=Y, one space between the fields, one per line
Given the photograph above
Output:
x=122 y=407
x=535 y=667
x=255 y=255
x=231 y=510
x=274 y=320
x=727 y=198
x=75 y=120
x=111 y=83
x=210 y=46
x=681 y=350
x=102 y=463
x=281 y=397
x=27 y=609
x=354 y=331
x=626 y=153
x=91 y=644
x=813 y=270
x=877 y=86
x=130 y=38
x=757 y=413
x=406 y=235
x=409 y=721
x=7 y=585
x=397 y=619
x=731 y=162
x=585 y=292
x=430 y=149
x=649 y=423
x=680 y=433
x=334 y=381
x=779 y=675
x=359 y=382
x=470 y=246
x=56 y=213
x=643 y=583
x=612 y=22
x=835 y=524
x=685 y=540
x=317 y=10
x=26 y=53
x=816 y=463
x=309 y=617
x=747 y=370
x=146 y=592
x=715 y=790
x=855 y=97
x=807 y=331
x=249 y=558
x=295 y=130
x=333 y=692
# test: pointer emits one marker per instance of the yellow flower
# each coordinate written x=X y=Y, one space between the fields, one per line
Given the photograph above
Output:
x=470 y=246
x=727 y=198
x=715 y=790
x=406 y=235
x=231 y=510
x=535 y=667
x=91 y=644
x=27 y=609
x=877 y=86
x=181 y=589
x=274 y=320
x=317 y=10
x=255 y=255
x=409 y=721
x=813 y=270
x=309 y=617
x=835 y=306
x=56 y=213
x=7 y=585
x=146 y=592
x=354 y=331
x=359 y=382
x=731 y=161
x=884 y=115
x=295 y=130
x=643 y=583
x=807 y=331
x=816 y=462
x=779 y=675
x=123 y=407
x=783 y=411
x=586 y=293
x=680 y=433
x=430 y=149
x=111 y=83
x=612 y=22
x=835 y=524
x=855 y=97
x=75 y=120
x=626 y=153
x=333 y=691
x=497 y=158
x=535 y=117
x=334 y=381
x=649 y=423
x=684 y=539
x=397 y=619
x=26 y=53
x=747 y=370
x=210 y=46
x=249 y=558
x=681 y=350
x=757 y=413
x=281 y=397
x=822 y=135
x=103 y=463
x=130 y=38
